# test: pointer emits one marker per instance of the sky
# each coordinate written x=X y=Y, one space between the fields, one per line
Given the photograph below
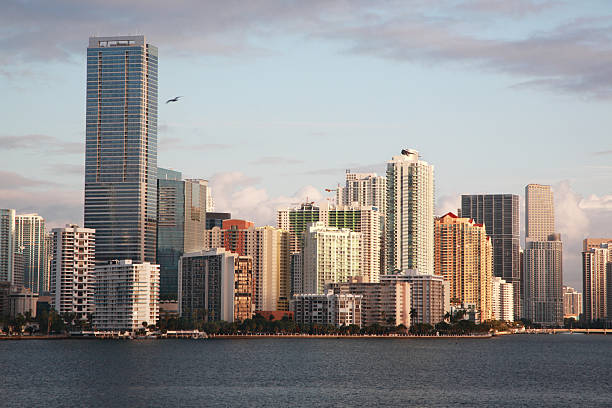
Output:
x=280 y=97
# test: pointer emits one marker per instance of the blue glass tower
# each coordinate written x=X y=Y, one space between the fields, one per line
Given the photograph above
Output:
x=121 y=147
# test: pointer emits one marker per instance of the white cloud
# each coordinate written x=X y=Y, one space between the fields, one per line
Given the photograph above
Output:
x=448 y=203
x=236 y=193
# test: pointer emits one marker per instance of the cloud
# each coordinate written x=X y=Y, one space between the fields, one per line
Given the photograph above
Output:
x=12 y=180
x=57 y=206
x=275 y=160
x=237 y=193
x=574 y=57
x=602 y=153
x=37 y=142
x=448 y=203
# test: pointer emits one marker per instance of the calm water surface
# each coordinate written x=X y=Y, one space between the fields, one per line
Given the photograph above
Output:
x=526 y=370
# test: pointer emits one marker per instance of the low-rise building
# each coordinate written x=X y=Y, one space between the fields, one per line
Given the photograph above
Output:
x=327 y=309
x=429 y=295
x=21 y=301
x=572 y=303
x=384 y=303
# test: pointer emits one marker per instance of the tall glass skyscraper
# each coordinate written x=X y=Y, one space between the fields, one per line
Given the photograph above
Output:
x=121 y=148
x=500 y=215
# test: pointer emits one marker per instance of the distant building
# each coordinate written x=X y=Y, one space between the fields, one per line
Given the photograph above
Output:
x=126 y=295
x=364 y=189
x=269 y=248
x=500 y=215
x=572 y=303
x=121 y=148
x=30 y=241
x=297 y=273
x=7 y=245
x=5 y=291
x=429 y=295
x=327 y=309
x=295 y=220
x=543 y=259
x=589 y=243
x=410 y=214
x=21 y=301
x=543 y=303
x=383 y=303
x=502 y=300
x=215 y=219
x=330 y=255
x=595 y=282
x=463 y=257
x=72 y=270
x=181 y=223
x=216 y=285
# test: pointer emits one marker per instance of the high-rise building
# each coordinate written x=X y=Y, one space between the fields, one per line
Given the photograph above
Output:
x=572 y=303
x=7 y=245
x=215 y=219
x=121 y=148
x=330 y=255
x=126 y=295
x=594 y=281
x=429 y=295
x=543 y=255
x=589 y=243
x=358 y=218
x=327 y=309
x=364 y=189
x=72 y=270
x=367 y=222
x=539 y=214
x=269 y=248
x=502 y=299
x=181 y=223
x=463 y=254
x=216 y=285
x=410 y=214
x=30 y=239
x=499 y=213
x=383 y=303
x=296 y=220
x=543 y=303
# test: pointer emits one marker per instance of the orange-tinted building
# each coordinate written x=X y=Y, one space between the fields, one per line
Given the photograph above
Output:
x=464 y=257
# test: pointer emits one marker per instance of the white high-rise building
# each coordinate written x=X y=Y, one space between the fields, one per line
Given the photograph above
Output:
x=365 y=189
x=72 y=269
x=502 y=300
x=410 y=214
x=7 y=245
x=572 y=303
x=594 y=281
x=126 y=295
x=330 y=255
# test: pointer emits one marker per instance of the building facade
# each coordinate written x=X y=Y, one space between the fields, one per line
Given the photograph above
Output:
x=181 y=224
x=30 y=243
x=572 y=303
x=121 y=148
x=500 y=214
x=409 y=228
x=7 y=245
x=464 y=258
x=595 y=282
x=364 y=189
x=72 y=270
x=386 y=303
x=330 y=255
x=539 y=214
x=429 y=295
x=216 y=285
x=327 y=309
x=215 y=219
x=296 y=220
x=543 y=302
x=502 y=300
x=126 y=295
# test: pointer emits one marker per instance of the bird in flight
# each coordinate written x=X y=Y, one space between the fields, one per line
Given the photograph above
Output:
x=175 y=99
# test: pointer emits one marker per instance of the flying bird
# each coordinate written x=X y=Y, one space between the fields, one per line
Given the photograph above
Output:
x=175 y=99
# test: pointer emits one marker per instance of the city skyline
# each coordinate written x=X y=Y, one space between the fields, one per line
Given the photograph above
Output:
x=217 y=121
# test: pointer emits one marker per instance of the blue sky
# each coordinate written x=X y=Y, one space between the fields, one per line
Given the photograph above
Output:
x=281 y=96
